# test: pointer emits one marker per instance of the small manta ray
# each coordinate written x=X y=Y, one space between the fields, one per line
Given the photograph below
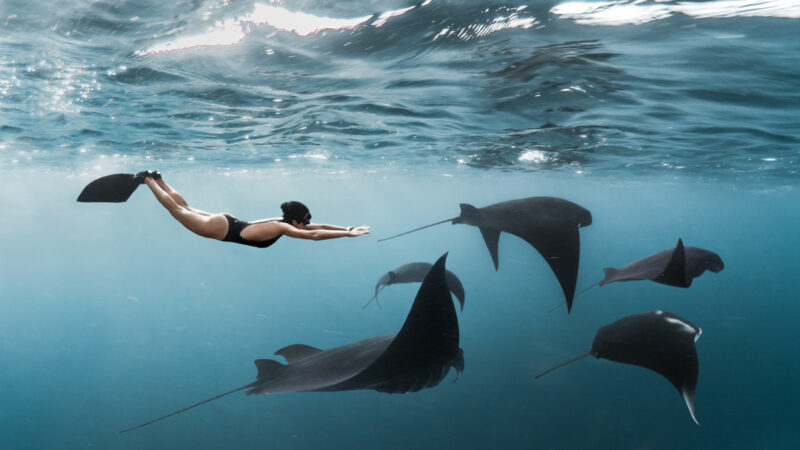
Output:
x=419 y=356
x=549 y=224
x=673 y=267
x=657 y=340
x=414 y=273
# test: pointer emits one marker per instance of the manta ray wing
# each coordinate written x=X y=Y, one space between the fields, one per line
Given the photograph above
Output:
x=426 y=347
x=560 y=246
x=492 y=238
x=658 y=340
x=674 y=274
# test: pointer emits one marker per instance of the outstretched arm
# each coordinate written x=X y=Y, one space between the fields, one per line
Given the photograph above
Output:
x=322 y=226
x=318 y=234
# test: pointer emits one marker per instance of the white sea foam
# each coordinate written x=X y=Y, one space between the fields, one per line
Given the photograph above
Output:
x=616 y=13
x=233 y=31
x=383 y=18
x=533 y=156
x=299 y=23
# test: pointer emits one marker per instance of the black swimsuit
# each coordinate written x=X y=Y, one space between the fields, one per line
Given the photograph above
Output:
x=235 y=227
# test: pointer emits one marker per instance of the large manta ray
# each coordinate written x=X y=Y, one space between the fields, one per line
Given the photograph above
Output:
x=657 y=340
x=419 y=356
x=549 y=224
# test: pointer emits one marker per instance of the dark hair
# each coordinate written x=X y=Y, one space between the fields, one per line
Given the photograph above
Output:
x=294 y=211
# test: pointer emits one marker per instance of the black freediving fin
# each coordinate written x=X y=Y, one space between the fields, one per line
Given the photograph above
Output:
x=116 y=188
x=675 y=272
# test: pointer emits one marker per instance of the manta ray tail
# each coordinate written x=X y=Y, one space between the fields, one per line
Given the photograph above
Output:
x=187 y=408
x=374 y=297
x=416 y=229
x=559 y=305
x=589 y=287
x=561 y=365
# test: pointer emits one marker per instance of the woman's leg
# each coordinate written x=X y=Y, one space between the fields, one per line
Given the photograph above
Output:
x=178 y=197
x=214 y=226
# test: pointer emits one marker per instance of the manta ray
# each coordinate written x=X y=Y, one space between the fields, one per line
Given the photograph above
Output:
x=677 y=267
x=419 y=356
x=674 y=267
x=549 y=224
x=658 y=340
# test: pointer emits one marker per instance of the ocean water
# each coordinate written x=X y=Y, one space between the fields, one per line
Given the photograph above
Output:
x=665 y=119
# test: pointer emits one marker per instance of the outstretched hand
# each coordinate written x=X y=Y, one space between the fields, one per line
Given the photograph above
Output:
x=358 y=231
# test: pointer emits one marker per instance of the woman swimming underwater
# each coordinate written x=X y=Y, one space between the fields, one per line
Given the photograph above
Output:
x=295 y=222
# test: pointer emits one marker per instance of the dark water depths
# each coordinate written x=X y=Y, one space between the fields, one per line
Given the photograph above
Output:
x=664 y=119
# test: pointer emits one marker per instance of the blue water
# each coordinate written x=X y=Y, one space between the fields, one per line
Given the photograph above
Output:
x=664 y=119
